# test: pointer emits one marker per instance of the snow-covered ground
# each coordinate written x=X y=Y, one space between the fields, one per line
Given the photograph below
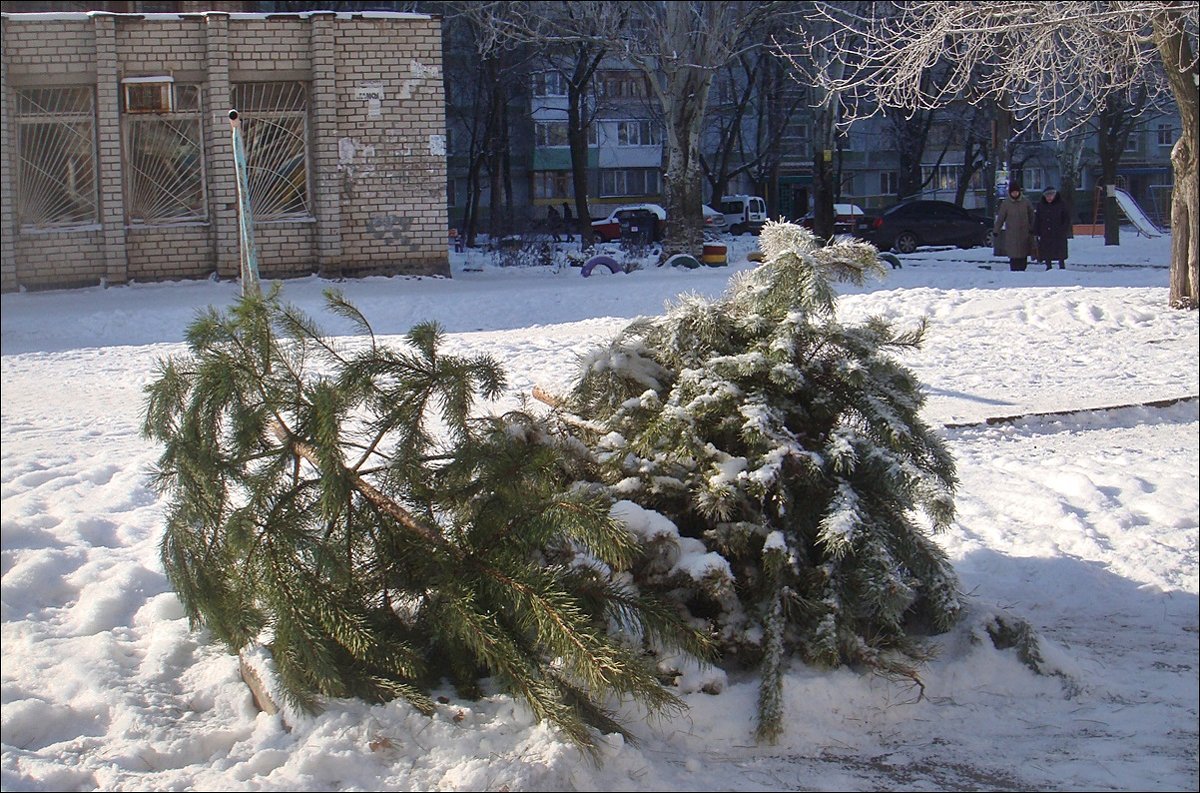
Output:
x=1086 y=524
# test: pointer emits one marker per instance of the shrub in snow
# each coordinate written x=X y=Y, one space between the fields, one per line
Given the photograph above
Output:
x=790 y=482
x=345 y=507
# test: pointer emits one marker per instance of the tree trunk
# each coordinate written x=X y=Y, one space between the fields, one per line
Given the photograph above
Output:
x=577 y=124
x=824 y=129
x=492 y=146
x=1001 y=142
x=506 y=168
x=577 y=140
x=1182 y=76
x=682 y=191
x=684 y=188
x=1069 y=157
x=1109 y=156
x=1118 y=116
x=974 y=158
x=474 y=194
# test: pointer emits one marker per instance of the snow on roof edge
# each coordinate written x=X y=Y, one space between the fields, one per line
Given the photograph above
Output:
x=81 y=16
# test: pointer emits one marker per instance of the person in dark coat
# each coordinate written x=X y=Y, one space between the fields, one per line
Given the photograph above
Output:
x=1016 y=217
x=1053 y=226
x=553 y=221
x=567 y=220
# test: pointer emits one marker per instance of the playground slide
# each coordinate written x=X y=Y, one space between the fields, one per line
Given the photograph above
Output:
x=1136 y=216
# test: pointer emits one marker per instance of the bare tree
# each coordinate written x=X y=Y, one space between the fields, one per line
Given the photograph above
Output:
x=1048 y=59
x=577 y=61
x=1118 y=117
x=481 y=105
x=973 y=124
x=680 y=46
x=910 y=134
x=749 y=127
x=825 y=68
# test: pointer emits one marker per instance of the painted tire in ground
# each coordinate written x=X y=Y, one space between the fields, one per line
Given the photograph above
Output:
x=683 y=260
x=715 y=254
x=601 y=261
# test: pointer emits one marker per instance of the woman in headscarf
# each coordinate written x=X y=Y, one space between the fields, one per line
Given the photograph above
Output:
x=1052 y=225
x=1015 y=217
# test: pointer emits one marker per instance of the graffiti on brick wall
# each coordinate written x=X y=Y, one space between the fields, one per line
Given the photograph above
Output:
x=389 y=227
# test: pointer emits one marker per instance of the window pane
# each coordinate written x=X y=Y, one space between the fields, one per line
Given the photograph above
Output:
x=275 y=133
x=187 y=97
x=56 y=170
x=54 y=102
x=164 y=161
x=147 y=97
x=269 y=97
x=165 y=170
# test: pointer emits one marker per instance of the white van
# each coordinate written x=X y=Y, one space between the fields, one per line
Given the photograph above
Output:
x=744 y=213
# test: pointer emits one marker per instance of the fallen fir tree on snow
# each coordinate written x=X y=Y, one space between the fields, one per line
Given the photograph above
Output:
x=345 y=508
x=790 y=447
x=746 y=474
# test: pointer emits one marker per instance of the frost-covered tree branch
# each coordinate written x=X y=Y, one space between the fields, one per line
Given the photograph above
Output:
x=1045 y=61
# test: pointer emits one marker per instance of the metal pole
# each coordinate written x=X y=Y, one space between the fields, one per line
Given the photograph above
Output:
x=249 y=255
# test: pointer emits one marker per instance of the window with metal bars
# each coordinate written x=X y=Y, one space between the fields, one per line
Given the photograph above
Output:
x=164 y=156
x=275 y=133
x=56 y=157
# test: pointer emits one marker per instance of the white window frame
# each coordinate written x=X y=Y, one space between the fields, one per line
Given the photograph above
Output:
x=560 y=182
x=549 y=83
x=628 y=84
x=550 y=134
x=616 y=182
x=638 y=132
x=554 y=135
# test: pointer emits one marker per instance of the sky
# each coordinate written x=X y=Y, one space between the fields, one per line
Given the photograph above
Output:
x=1078 y=512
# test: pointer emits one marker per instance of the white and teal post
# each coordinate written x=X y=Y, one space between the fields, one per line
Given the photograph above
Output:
x=249 y=255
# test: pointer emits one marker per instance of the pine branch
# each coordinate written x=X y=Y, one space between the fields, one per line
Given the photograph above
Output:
x=381 y=502
x=559 y=406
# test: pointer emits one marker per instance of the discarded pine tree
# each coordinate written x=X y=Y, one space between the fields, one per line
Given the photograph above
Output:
x=792 y=447
x=345 y=507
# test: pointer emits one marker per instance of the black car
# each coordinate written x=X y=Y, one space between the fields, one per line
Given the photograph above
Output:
x=906 y=226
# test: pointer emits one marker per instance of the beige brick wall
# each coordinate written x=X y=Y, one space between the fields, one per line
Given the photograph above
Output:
x=45 y=51
x=377 y=172
x=285 y=249
x=394 y=173
x=277 y=44
x=155 y=46
x=59 y=260
x=168 y=253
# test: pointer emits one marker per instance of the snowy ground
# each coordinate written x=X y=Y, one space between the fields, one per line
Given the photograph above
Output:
x=1085 y=524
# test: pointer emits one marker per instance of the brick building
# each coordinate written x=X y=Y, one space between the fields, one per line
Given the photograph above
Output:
x=117 y=155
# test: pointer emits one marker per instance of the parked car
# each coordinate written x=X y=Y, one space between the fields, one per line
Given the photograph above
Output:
x=906 y=226
x=609 y=228
x=844 y=218
x=744 y=213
